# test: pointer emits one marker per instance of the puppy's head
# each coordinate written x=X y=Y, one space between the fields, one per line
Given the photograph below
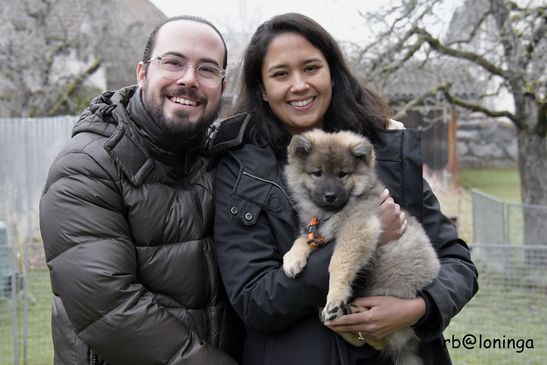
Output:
x=329 y=168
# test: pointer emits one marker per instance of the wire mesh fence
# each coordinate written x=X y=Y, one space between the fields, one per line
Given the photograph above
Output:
x=25 y=307
x=488 y=218
x=8 y=315
x=27 y=146
x=495 y=221
x=504 y=324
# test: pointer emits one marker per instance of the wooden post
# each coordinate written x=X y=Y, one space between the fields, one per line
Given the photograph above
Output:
x=453 y=159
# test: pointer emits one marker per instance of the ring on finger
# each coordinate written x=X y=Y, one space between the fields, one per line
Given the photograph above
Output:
x=360 y=336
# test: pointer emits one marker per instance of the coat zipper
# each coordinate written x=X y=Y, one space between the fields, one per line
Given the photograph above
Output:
x=195 y=198
x=274 y=184
x=207 y=317
x=194 y=195
x=207 y=320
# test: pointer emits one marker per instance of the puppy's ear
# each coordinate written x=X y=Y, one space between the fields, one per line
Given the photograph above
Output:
x=364 y=151
x=300 y=146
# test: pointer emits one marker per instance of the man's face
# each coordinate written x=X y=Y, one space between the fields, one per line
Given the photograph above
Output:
x=185 y=105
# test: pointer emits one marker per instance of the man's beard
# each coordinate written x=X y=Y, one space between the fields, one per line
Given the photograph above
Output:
x=180 y=125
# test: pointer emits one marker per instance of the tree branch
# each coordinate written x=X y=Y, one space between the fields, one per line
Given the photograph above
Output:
x=474 y=31
x=537 y=36
x=73 y=86
x=394 y=27
x=397 y=64
x=445 y=88
x=470 y=56
x=415 y=102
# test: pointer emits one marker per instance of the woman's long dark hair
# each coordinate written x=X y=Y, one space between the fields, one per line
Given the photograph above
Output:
x=353 y=107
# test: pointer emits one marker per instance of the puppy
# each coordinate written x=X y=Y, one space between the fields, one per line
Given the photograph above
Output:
x=337 y=193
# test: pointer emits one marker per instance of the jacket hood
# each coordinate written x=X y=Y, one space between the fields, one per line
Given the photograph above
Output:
x=97 y=117
x=122 y=111
x=107 y=117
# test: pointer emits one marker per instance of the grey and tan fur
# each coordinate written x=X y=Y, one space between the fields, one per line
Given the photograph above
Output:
x=331 y=176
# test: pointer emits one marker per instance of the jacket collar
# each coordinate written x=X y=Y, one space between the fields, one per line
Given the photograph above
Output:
x=226 y=133
x=125 y=145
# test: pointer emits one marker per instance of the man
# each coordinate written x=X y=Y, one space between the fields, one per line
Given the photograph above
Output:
x=126 y=215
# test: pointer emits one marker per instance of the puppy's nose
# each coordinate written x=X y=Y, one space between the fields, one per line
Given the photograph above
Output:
x=330 y=197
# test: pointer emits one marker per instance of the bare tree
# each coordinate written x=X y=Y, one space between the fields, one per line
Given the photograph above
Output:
x=51 y=50
x=501 y=42
x=36 y=35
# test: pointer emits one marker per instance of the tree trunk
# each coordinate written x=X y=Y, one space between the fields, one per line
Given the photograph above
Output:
x=532 y=150
x=532 y=154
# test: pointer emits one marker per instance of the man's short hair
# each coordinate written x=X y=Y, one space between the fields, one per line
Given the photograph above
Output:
x=151 y=42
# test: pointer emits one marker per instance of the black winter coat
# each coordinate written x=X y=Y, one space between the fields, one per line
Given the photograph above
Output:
x=255 y=225
x=128 y=244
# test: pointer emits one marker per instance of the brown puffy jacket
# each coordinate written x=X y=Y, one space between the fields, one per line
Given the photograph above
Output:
x=128 y=244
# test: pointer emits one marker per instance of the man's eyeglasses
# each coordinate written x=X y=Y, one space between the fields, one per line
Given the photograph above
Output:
x=174 y=67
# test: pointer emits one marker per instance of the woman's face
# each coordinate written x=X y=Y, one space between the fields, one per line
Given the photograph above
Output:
x=296 y=82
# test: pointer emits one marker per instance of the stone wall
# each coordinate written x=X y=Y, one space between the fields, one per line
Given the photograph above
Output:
x=486 y=142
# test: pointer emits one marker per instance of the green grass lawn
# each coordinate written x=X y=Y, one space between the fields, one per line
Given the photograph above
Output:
x=501 y=183
x=39 y=343
x=500 y=312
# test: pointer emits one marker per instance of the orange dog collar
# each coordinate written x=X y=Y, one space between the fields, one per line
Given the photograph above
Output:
x=314 y=240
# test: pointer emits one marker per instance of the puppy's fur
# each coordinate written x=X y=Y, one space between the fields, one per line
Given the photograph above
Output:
x=331 y=176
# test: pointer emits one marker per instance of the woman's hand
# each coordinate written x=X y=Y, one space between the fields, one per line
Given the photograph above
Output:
x=381 y=316
x=393 y=219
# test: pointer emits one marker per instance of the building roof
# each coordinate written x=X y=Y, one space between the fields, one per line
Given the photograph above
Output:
x=414 y=80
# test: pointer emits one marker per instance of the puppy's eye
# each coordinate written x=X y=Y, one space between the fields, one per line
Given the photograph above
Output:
x=342 y=174
x=316 y=173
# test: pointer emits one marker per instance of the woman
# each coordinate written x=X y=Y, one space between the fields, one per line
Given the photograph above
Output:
x=295 y=79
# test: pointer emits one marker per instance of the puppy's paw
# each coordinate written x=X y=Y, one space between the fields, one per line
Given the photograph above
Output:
x=334 y=310
x=294 y=262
